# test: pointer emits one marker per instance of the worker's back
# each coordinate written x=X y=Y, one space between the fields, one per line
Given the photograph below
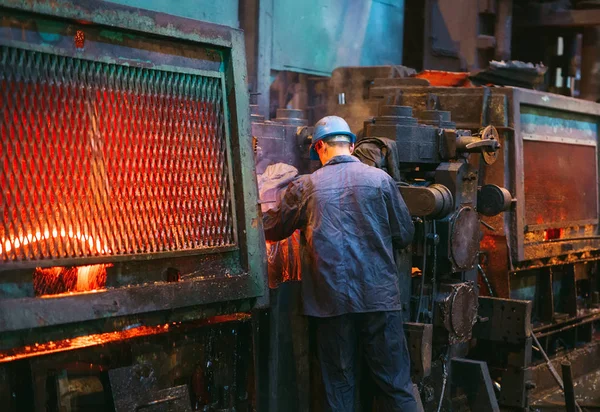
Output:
x=352 y=212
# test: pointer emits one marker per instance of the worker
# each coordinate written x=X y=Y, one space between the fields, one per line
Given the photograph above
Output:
x=351 y=218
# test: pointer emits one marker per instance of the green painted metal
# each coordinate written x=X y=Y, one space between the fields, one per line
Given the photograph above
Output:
x=252 y=236
x=558 y=123
x=316 y=36
x=223 y=12
x=128 y=18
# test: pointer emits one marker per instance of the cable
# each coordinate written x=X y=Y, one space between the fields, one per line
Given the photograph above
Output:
x=444 y=378
x=422 y=271
x=486 y=280
x=434 y=271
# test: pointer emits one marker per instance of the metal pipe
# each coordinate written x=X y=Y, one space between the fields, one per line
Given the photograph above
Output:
x=423 y=270
x=579 y=322
x=486 y=280
x=569 y=389
x=444 y=378
x=434 y=271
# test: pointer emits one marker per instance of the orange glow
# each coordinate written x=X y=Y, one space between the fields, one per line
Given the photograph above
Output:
x=488 y=242
x=58 y=280
x=87 y=341
x=445 y=79
x=551 y=234
x=7 y=245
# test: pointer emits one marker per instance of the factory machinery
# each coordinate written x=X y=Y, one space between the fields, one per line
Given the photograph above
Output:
x=133 y=269
x=502 y=186
x=507 y=241
x=131 y=250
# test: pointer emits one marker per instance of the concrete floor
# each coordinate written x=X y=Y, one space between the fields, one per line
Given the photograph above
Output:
x=587 y=392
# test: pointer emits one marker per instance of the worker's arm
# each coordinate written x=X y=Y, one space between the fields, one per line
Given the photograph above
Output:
x=400 y=220
x=279 y=223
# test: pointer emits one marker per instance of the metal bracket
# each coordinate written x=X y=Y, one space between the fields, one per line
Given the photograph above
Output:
x=474 y=378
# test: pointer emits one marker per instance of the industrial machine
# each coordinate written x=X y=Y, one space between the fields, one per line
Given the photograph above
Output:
x=130 y=247
x=534 y=265
x=429 y=158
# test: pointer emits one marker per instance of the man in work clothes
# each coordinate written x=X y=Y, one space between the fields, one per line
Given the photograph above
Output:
x=352 y=217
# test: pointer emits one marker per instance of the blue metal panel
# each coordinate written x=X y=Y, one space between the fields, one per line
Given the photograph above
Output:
x=316 y=36
x=223 y=12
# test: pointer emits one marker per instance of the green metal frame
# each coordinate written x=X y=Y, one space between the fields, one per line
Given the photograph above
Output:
x=228 y=45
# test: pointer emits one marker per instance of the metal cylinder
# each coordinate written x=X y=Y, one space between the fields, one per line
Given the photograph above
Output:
x=438 y=118
x=493 y=200
x=569 y=389
x=401 y=115
x=292 y=117
x=431 y=201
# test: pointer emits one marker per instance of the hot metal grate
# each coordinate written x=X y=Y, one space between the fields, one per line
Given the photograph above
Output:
x=102 y=159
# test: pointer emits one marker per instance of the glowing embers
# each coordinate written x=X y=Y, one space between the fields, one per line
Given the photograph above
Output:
x=96 y=339
x=59 y=280
x=552 y=234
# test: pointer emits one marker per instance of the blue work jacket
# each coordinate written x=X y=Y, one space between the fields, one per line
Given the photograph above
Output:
x=351 y=217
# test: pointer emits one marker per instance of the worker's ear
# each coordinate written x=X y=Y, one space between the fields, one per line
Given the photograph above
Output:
x=351 y=148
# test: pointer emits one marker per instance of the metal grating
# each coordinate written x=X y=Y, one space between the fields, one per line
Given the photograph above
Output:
x=103 y=159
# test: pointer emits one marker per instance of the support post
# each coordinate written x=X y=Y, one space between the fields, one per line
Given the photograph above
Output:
x=569 y=389
x=265 y=50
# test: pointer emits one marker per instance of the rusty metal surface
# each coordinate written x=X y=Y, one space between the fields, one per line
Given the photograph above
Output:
x=22 y=314
x=136 y=388
x=101 y=159
x=509 y=320
x=419 y=339
x=583 y=361
x=457 y=306
x=560 y=183
x=529 y=113
x=586 y=394
x=493 y=200
x=464 y=243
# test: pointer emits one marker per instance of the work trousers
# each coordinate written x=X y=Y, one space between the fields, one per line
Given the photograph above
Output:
x=380 y=338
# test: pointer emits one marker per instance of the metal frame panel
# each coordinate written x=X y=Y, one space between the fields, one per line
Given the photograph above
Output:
x=532 y=251
x=504 y=109
x=249 y=284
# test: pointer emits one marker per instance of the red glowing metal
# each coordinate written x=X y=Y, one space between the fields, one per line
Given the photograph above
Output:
x=79 y=39
x=101 y=159
x=60 y=280
x=109 y=337
x=551 y=234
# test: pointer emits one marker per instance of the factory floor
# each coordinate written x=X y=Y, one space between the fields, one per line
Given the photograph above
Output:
x=587 y=392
